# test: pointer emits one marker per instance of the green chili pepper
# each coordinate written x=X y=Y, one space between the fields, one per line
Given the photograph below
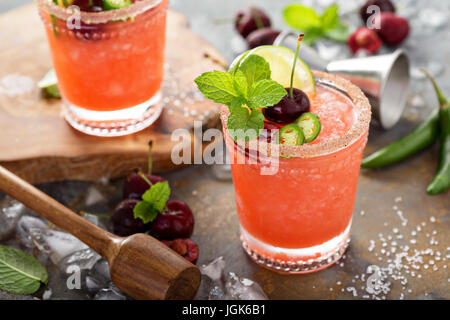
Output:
x=441 y=181
x=422 y=137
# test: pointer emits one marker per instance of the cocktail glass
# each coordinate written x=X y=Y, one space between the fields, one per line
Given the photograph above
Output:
x=109 y=64
x=298 y=220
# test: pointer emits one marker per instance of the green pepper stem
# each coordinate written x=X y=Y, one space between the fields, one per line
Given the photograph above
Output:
x=443 y=102
x=291 y=88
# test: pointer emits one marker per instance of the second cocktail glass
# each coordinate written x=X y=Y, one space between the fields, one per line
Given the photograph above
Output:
x=109 y=64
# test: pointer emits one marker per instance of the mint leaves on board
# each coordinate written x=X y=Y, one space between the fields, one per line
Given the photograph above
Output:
x=153 y=202
x=306 y=19
x=20 y=273
x=245 y=90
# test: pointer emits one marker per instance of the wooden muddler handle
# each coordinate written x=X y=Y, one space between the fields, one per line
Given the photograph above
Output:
x=95 y=237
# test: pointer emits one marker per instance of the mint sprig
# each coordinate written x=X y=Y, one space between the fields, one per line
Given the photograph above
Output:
x=153 y=202
x=306 y=19
x=247 y=89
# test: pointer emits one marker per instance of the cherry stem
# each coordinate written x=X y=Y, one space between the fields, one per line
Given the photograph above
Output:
x=150 y=157
x=291 y=88
x=256 y=17
x=143 y=176
x=441 y=97
x=206 y=55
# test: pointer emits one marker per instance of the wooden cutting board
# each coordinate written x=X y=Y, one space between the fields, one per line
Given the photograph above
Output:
x=38 y=145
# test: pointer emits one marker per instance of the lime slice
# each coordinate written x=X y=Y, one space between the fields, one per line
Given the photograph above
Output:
x=50 y=84
x=281 y=60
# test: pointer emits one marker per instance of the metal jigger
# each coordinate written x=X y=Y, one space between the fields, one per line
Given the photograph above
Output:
x=384 y=78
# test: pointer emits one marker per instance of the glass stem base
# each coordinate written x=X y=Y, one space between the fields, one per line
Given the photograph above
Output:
x=295 y=261
x=114 y=123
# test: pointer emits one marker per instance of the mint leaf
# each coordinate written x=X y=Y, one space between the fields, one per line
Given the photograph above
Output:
x=339 y=33
x=245 y=125
x=306 y=19
x=240 y=84
x=312 y=35
x=265 y=93
x=153 y=202
x=255 y=68
x=330 y=17
x=217 y=86
x=145 y=211
x=20 y=273
x=301 y=17
x=158 y=195
x=237 y=102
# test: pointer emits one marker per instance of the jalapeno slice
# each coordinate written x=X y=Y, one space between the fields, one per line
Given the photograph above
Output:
x=291 y=135
x=115 y=4
x=310 y=124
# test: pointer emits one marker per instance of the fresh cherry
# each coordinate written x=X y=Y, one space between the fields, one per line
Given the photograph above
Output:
x=89 y=5
x=384 y=5
x=269 y=133
x=135 y=186
x=123 y=221
x=288 y=110
x=261 y=37
x=249 y=20
x=364 y=39
x=186 y=248
x=393 y=29
x=176 y=222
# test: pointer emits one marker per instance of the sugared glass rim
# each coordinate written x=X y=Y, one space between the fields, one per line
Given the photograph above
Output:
x=99 y=17
x=362 y=111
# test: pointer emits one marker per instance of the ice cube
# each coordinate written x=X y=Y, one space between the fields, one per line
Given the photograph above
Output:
x=212 y=285
x=110 y=293
x=56 y=244
x=98 y=277
x=101 y=271
x=94 y=285
x=85 y=259
x=93 y=196
x=10 y=212
x=214 y=270
x=217 y=293
x=23 y=228
x=215 y=286
x=243 y=289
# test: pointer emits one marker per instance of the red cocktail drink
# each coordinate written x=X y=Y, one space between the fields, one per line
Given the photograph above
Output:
x=298 y=219
x=109 y=64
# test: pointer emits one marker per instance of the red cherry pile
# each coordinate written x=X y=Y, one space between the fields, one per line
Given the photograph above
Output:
x=387 y=28
x=173 y=226
x=254 y=26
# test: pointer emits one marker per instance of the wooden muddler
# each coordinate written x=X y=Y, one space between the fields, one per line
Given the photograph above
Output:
x=140 y=265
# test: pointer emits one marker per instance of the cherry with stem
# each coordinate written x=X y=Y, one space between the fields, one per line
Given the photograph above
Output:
x=291 y=88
